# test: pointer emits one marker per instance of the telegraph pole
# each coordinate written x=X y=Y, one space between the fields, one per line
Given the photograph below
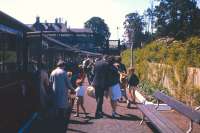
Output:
x=131 y=40
x=132 y=46
x=132 y=54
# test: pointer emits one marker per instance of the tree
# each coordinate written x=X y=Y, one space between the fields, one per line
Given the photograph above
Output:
x=100 y=28
x=151 y=16
x=134 y=25
x=177 y=18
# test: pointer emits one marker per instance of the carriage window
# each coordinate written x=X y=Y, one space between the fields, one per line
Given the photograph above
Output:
x=8 y=54
x=33 y=55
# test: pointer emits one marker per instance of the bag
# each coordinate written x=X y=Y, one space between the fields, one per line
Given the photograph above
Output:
x=91 y=91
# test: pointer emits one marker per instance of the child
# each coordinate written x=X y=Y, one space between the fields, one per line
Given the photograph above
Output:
x=79 y=97
x=133 y=81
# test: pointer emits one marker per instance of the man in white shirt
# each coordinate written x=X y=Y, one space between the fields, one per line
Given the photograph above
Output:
x=60 y=85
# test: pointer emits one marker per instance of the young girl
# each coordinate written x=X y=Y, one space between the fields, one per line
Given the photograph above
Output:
x=79 y=97
x=133 y=81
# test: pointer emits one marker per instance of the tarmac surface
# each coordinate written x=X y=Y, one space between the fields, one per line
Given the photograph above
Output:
x=127 y=122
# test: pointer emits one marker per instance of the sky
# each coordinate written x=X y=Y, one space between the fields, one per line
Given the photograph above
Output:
x=75 y=12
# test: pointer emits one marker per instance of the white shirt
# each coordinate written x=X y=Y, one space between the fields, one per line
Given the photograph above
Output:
x=61 y=84
x=80 y=91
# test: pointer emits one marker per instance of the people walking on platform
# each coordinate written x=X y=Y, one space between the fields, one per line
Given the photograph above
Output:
x=133 y=82
x=114 y=83
x=100 y=83
x=87 y=67
x=69 y=75
x=80 y=91
x=60 y=85
x=44 y=86
x=123 y=79
x=122 y=67
x=90 y=71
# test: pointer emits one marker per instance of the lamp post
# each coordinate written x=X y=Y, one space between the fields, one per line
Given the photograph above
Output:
x=131 y=39
x=132 y=54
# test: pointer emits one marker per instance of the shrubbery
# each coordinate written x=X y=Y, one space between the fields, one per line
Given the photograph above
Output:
x=148 y=88
x=177 y=54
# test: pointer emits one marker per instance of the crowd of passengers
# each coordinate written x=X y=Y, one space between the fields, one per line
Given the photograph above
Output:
x=65 y=87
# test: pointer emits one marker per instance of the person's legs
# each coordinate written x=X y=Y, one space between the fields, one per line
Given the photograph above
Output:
x=77 y=107
x=123 y=85
x=113 y=105
x=59 y=121
x=82 y=106
x=72 y=102
x=125 y=94
x=133 y=94
x=99 y=99
x=99 y=104
x=128 y=90
x=88 y=79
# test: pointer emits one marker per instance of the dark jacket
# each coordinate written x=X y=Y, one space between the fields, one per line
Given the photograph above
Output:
x=113 y=76
x=133 y=80
x=100 y=80
x=122 y=68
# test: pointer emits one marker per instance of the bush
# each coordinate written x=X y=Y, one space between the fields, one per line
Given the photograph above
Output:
x=149 y=88
x=177 y=54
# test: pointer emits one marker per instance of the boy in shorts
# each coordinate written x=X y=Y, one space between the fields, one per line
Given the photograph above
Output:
x=80 y=91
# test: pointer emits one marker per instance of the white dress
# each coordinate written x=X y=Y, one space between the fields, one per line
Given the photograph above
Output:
x=116 y=92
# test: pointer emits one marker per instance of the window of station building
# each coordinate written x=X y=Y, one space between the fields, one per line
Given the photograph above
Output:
x=8 y=53
x=37 y=54
x=33 y=55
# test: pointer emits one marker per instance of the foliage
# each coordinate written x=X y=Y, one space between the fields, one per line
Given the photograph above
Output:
x=133 y=25
x=98 y=26
x=126 y=57
x=9 y=56
x=177 y=18
x=195 y=94
x=176 y=56
x=149 y=88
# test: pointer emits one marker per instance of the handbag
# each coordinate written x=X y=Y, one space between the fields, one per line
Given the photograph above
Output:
x=91 y=91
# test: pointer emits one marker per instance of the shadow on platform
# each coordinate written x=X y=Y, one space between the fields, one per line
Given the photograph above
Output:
x=86 y=121
x=76 y=130
x=127 y=117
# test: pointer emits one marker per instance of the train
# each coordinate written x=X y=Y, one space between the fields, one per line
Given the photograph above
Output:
x=22 y=51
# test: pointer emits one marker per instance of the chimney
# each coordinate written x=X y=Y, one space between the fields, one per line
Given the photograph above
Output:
x=56 y=20
x=37 y=19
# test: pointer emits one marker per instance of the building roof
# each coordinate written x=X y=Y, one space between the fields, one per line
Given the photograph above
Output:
x=80 y=30
x=13 y=23
x=57 y=26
